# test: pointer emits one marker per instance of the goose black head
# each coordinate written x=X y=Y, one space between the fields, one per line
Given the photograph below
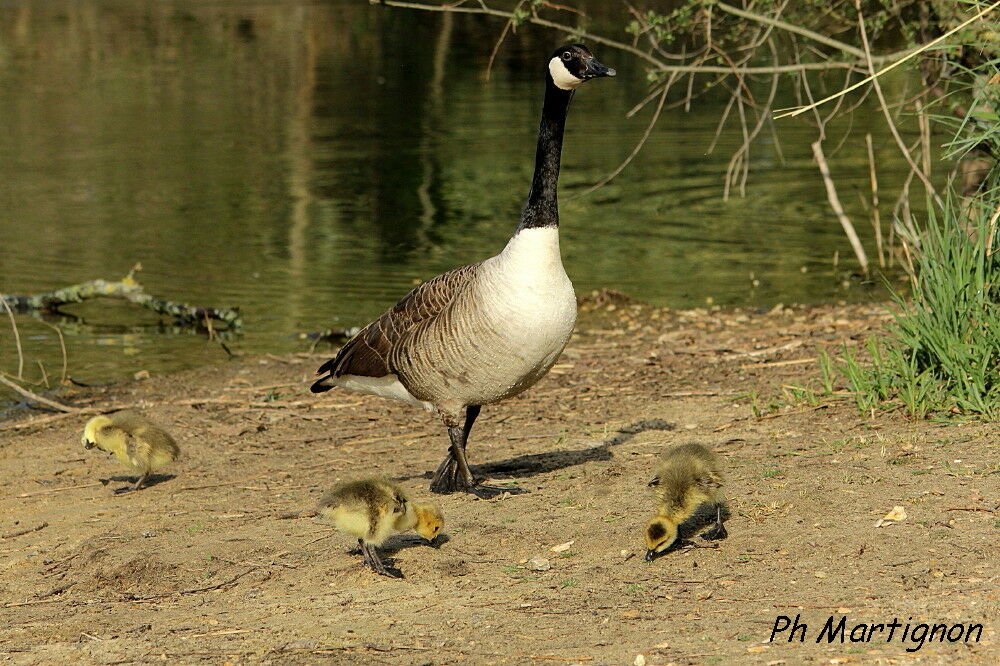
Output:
x=573 y=64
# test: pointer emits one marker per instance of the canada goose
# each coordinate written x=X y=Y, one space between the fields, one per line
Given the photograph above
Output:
x=134 y=440
x=687 y=477
x=371 y=510
x=481 y=333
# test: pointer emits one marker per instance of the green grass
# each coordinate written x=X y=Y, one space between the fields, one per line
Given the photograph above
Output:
x=941 y=354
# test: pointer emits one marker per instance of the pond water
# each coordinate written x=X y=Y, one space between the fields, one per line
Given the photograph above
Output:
x=309 y=162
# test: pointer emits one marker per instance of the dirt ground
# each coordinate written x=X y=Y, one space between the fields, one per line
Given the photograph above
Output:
x=207 y=565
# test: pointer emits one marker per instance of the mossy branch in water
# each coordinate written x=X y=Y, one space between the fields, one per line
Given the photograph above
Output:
x=128 y=289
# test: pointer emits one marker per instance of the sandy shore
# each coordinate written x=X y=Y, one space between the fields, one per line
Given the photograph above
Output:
x=206 y=565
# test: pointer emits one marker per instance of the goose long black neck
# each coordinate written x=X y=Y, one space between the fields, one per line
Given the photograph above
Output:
x=542 y=207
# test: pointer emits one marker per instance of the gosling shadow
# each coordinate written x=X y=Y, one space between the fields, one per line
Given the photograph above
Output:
x=704 y=516
x=151 y=480
x=398 y=542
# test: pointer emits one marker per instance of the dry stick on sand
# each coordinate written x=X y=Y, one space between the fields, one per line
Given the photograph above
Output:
x=29 y=530
x=129 y=289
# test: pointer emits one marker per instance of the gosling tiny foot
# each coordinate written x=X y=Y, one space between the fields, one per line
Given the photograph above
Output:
x=716 y=533
x=375 y=563
x=140 y=481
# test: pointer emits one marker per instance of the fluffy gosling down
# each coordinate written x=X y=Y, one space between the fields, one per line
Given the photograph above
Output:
x=688 y=476
x=371 y=510
x=137 y=443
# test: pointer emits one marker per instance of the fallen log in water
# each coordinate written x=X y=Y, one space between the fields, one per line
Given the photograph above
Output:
x=128 y=289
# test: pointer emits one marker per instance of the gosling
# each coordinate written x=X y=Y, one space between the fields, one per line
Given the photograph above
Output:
x=371 y=510
x=687 y=477
x=137 y=443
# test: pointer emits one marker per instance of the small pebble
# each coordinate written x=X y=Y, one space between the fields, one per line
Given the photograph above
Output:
x=539 y=564
x=149 y=533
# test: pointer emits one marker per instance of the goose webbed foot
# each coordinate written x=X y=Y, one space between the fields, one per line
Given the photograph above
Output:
x=375 y=563
x=451 y=478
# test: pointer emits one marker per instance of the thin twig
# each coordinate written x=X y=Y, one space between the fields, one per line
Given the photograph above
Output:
x=888 y=116
x=838 y=209
x=791 y=27
x=11 y=535
x=17 y=338
x=59 y=490
x=635 y=151
x=37 y=398
x=628 y=48
x=503 y=34
x=195 y=590
x=876 y=220
x=904 y=57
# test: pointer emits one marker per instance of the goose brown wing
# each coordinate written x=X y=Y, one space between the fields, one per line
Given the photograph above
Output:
x=367 y=353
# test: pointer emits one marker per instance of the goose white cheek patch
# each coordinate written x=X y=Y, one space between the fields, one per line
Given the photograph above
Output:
x=561 y=76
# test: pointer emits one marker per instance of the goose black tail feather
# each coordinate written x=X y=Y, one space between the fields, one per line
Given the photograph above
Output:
x=319 y=387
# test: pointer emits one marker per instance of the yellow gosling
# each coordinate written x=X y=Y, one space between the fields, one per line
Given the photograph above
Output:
x=137 y=443
x=688 y=476
x=371 y=510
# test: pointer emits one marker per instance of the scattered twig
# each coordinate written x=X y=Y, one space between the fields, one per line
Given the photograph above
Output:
x=776 y=364
x=972 y=508
x=548 y=657
x=36 y=528
x=59 y=490
x=37 y=398
x=218 y=485
x=195 y=590
x=55 y=591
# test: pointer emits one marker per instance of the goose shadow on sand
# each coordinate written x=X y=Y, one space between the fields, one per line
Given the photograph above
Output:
x=540 y=463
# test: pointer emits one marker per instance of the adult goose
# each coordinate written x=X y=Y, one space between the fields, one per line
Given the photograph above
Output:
x=485 y=332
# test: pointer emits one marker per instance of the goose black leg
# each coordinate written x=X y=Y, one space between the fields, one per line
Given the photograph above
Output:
x=453 y=475
x=718 y=531
x=374 y=562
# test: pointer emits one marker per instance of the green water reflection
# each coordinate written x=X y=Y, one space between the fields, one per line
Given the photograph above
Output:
x=309 y=161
